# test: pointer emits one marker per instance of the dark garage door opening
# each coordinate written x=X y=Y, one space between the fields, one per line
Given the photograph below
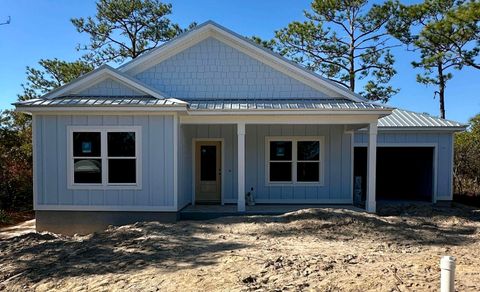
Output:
x=403 y=173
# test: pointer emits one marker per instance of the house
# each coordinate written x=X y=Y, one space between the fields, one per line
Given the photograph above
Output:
x=209 y=117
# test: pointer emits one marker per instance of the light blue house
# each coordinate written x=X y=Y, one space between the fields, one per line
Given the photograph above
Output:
x=209 y=117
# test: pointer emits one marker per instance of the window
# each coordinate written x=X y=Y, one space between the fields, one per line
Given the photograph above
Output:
x=294 y=160
x=104 y=157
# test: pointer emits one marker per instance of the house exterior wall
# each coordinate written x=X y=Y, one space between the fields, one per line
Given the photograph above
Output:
x=444 y=145
x=212 y=69
x=337 y=163
x=51 y=154
x=109 y=87
x=188 y=133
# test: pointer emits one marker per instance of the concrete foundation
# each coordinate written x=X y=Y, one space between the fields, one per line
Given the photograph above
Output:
x=85 y=222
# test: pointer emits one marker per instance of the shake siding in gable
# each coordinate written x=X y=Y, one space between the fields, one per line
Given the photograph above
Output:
x=110 y=87
x=51 y=156
x=212 y=69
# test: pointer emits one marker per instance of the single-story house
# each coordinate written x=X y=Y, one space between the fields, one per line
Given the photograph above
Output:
x=210 y=117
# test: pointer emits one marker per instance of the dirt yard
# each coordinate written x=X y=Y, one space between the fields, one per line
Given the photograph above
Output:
x=312 y=249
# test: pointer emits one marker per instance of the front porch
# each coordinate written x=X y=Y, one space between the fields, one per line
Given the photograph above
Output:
x=246 y=142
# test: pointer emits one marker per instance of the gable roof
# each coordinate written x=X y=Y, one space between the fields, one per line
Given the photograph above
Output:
x=212 y=29
x=101 y=73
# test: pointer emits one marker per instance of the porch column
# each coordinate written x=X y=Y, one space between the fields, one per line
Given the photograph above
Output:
x=370 y=203
x=241 y=166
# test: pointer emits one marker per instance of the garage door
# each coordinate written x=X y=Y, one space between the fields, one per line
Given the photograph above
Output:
x=403 y=173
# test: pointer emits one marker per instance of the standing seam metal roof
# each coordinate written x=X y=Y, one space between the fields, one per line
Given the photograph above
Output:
x=408 y=119
x=399 y=118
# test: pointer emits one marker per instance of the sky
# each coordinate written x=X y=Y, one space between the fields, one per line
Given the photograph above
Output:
x=42 y=29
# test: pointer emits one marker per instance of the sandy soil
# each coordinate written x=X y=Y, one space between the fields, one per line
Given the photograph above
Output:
x=312 y=249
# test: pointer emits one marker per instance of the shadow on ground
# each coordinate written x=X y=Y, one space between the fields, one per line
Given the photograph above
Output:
x=117 y=250
x=199 y=243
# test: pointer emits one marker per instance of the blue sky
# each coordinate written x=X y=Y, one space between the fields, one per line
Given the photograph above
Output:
x=42 y=29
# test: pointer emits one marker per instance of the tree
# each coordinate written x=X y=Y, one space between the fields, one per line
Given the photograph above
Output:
x=15 y=161
x=52 y=73
x=124 y=29
x=467 y=159
x=344 y=42
x=444 y=39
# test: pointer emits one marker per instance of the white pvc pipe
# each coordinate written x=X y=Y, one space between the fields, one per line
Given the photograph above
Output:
x=447 y=276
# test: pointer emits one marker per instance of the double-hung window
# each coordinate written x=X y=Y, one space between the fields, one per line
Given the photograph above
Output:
x=294 y=160
x=104 y=157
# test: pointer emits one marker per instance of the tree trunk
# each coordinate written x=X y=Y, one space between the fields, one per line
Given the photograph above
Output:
x=441 y=89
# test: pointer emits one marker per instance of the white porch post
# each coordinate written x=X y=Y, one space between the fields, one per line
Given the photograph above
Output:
x=371 y=167
x=241 y=167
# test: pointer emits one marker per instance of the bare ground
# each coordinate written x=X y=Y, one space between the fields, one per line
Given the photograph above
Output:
x=312 y=249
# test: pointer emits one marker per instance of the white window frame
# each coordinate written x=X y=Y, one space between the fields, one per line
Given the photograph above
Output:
x=103 y=130
x=294 y=161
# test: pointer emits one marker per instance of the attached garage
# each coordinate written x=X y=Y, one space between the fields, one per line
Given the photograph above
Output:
x=403 y=173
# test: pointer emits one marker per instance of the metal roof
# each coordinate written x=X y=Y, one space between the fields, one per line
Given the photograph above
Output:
x=100 y=101
x=400 y=118
x=281 y=104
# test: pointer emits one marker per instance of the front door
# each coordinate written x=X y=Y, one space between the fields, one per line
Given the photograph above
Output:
x=208 y=172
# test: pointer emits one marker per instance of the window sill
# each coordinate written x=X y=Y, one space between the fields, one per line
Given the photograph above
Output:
x=105 y=187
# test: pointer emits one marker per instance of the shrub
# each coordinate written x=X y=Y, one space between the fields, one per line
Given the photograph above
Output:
x=15 y=161
x=467 y=160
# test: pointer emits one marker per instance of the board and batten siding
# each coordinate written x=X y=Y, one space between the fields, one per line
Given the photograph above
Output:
x=337 y=164
x=444 y=146
x=51 y=154
x=213 y=69
x=228 y=134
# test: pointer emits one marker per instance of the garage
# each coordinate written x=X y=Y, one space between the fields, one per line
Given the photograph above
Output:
x=403 y=173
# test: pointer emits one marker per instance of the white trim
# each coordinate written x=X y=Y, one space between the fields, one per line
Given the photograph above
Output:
x=222 y=160
x=294 y=161
x=279 y=119
x=98 y=75
x=352 y=164
x=412 y=145
x=452 y=156
x=230 y=38
x=103 y=130
x=371 y=200
x=241 y=167
x=148 y=208
x=175 y=161
x=34 y=161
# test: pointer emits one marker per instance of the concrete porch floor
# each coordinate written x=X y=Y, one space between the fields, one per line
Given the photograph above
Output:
x=205 y=212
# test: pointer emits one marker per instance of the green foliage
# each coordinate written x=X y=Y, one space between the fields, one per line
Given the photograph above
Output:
x=15 y=161
x=124 y=29
x=444 y=32
x=4 y=218
x=344 y=42
x=467 y=159
x=52 y=73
